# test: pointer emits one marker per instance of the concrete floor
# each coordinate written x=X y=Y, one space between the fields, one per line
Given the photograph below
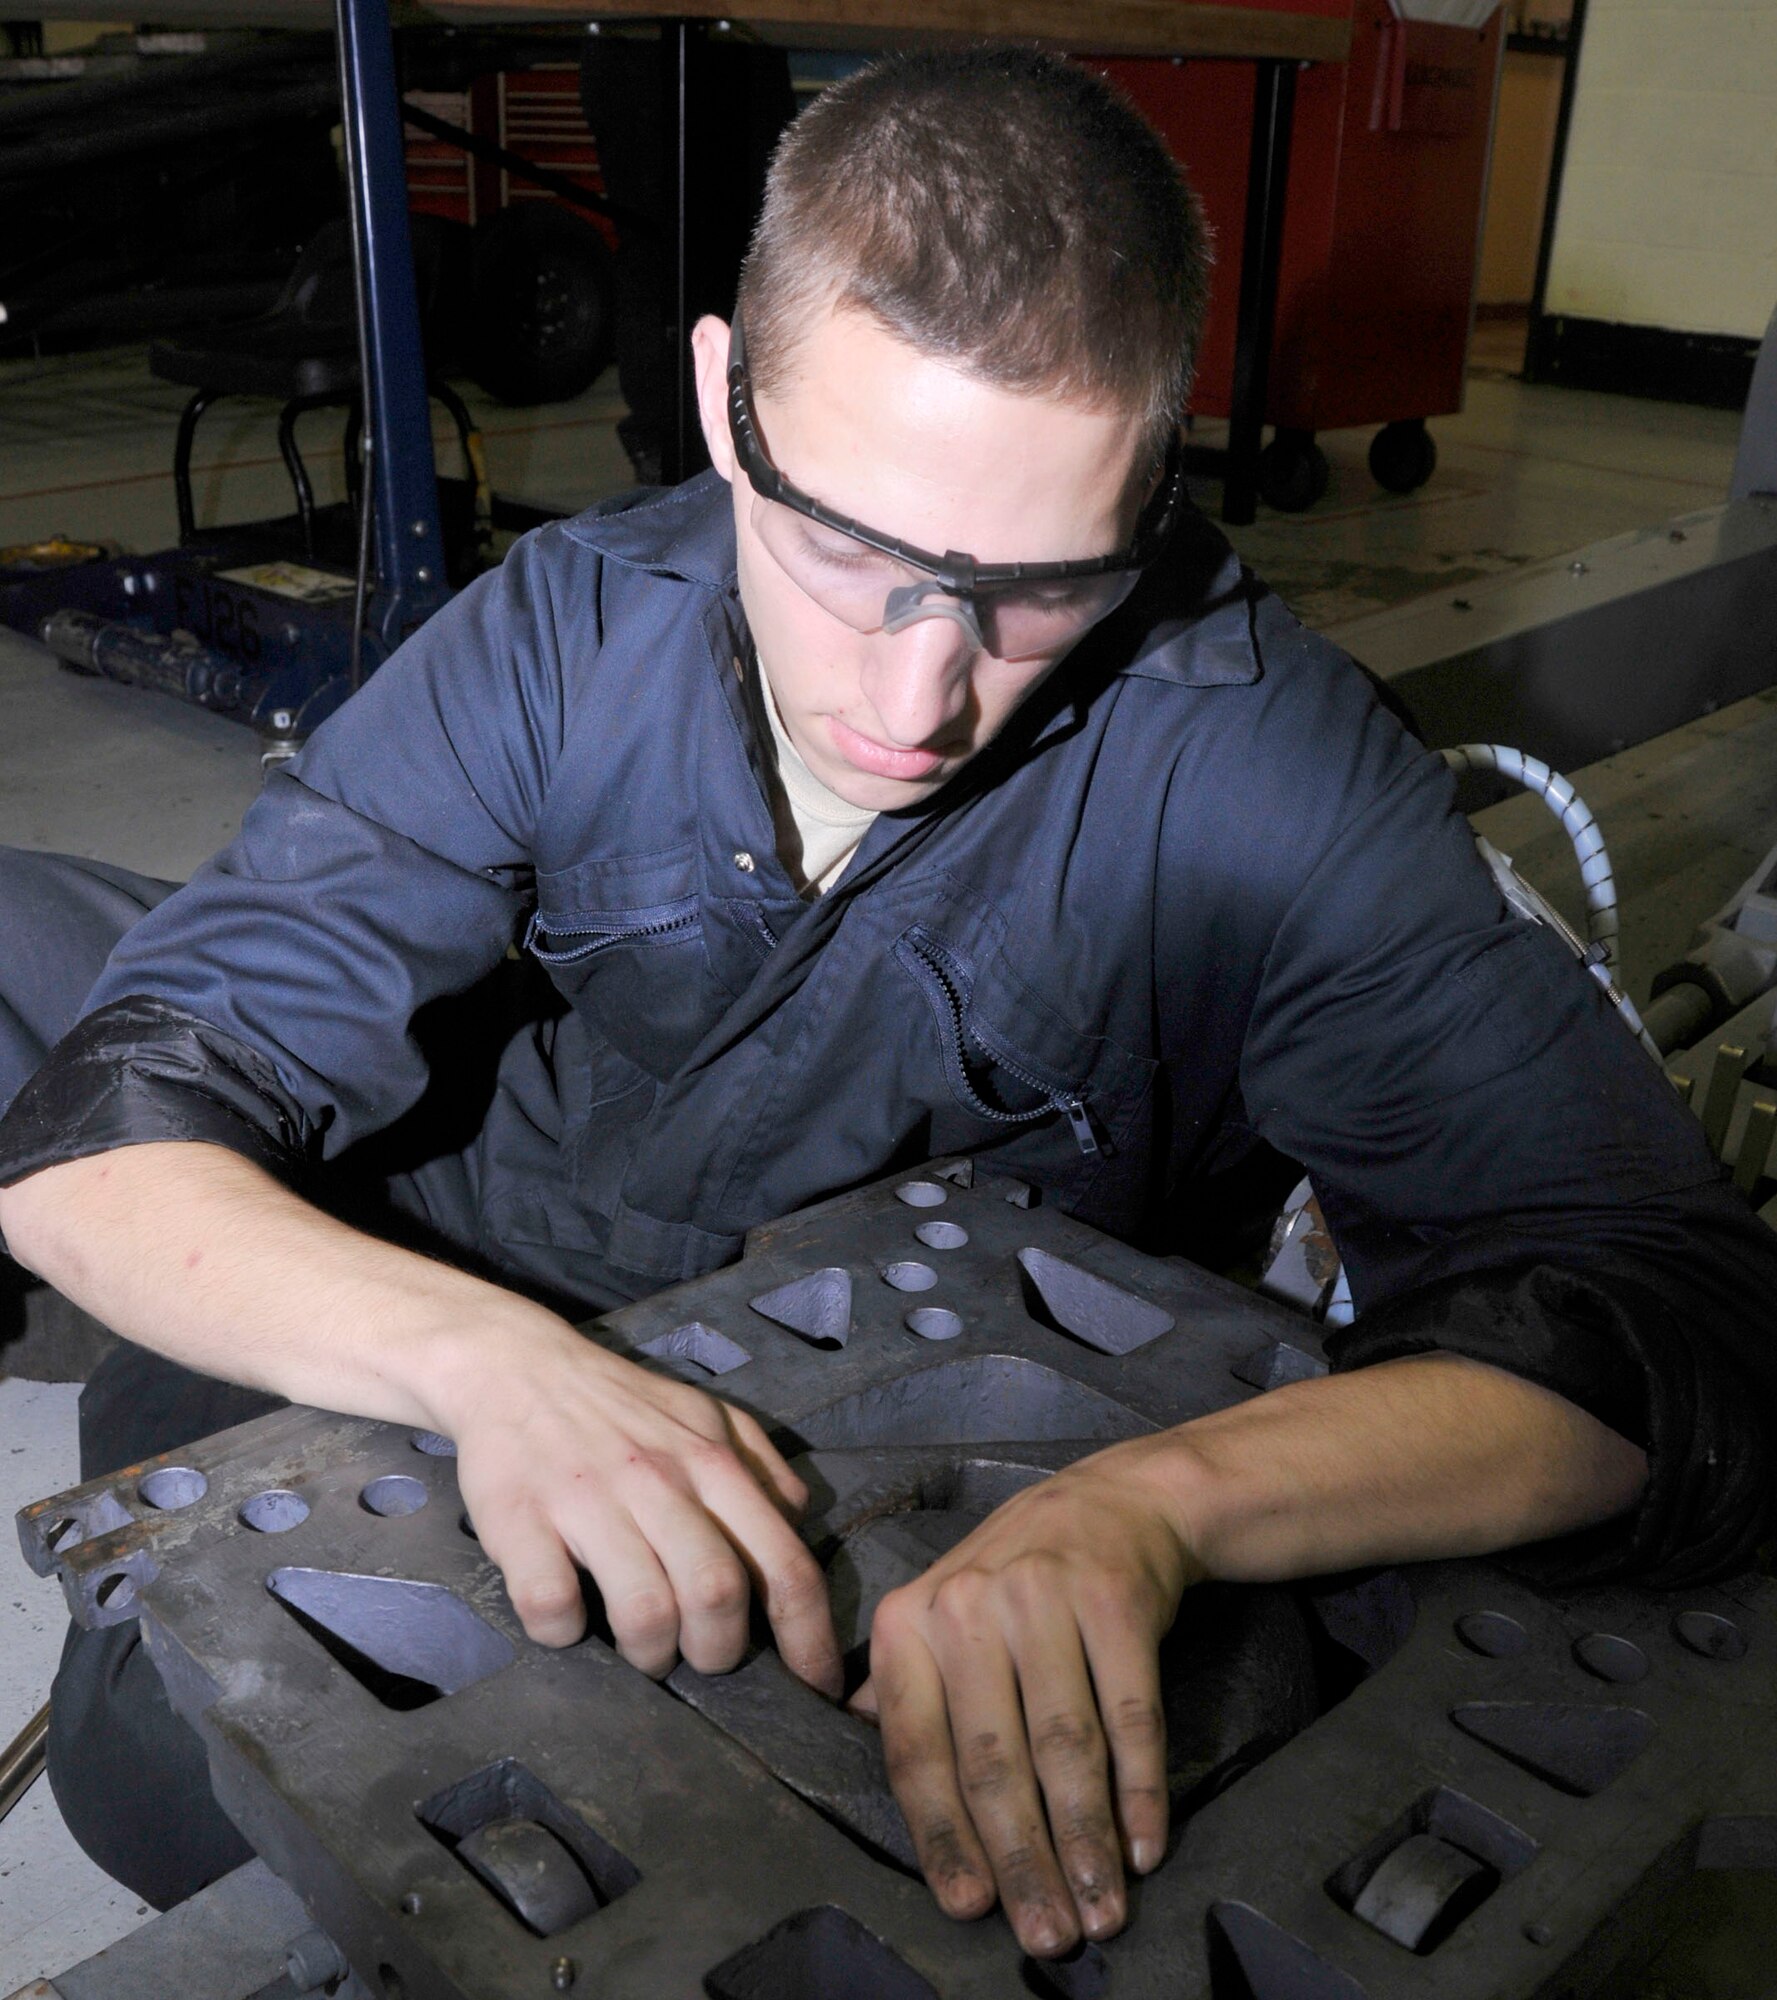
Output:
x=56 y=1908
x=86 y=444
x=94 y=769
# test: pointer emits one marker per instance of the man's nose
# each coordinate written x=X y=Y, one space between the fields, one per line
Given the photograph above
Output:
x=918 y=680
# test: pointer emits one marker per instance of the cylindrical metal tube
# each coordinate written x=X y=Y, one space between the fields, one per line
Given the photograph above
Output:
x=1678 y=1016
x=21 y=1764
x=121 y=652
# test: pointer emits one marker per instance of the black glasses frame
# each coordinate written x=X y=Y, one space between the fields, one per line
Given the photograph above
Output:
x=956 y=574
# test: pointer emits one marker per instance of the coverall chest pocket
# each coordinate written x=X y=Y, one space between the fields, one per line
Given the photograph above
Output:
x=1009 y=1059
x=623 y=941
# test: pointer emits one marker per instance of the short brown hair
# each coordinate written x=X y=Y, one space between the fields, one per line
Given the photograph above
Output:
x=1003 y=209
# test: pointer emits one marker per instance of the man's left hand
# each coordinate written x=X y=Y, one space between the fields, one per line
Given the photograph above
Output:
x=1018 y=1680
x=1018 y=1689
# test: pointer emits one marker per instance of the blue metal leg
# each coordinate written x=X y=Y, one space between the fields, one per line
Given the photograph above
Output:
x=403 y=477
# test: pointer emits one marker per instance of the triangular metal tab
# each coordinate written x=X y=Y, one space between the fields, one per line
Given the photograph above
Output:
x=817 y=1307
x=1271 y=1367
x=1272 y=1965
x=1091 y=1308
x=1579 y=1747
x=696 y=1349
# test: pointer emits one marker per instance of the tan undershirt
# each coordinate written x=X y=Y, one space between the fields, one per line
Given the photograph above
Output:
x=817 y=831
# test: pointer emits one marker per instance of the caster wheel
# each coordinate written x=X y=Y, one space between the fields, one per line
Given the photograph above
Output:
x=542 y=305
x=1293 y=472
x=1403 y=456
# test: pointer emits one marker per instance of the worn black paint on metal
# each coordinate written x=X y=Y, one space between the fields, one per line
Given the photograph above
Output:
x=1477 y=1809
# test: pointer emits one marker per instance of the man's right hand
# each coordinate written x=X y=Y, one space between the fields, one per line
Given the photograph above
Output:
x=677 y=1505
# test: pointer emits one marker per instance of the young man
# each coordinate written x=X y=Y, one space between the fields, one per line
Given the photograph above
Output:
x=840 y=855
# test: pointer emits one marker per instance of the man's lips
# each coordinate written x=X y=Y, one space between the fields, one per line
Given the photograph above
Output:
x=881 y=760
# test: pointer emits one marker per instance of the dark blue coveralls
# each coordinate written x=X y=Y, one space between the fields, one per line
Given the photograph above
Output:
x=1203 y=898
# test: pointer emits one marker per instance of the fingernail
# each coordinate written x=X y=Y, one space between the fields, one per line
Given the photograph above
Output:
x=1144 y=1855
x=963 y=1893
x=1042 y=1933
x=1102 y=1916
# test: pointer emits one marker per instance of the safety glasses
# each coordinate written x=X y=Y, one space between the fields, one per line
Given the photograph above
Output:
x=877 y=583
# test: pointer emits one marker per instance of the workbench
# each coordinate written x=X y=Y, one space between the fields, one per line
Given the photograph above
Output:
x=1276 y=36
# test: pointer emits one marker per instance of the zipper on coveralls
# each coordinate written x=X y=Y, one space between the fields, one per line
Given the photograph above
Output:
x=1069 y=1103
x=602 y=933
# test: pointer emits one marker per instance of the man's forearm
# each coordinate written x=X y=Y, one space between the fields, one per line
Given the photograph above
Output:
x=568 y=1457
x=194 y=1252
x=1409 y=1460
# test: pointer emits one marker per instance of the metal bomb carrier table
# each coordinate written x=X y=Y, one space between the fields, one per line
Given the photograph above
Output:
x=1435 y=1782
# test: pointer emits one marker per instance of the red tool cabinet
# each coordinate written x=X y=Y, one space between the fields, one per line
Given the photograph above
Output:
x=1381 y=234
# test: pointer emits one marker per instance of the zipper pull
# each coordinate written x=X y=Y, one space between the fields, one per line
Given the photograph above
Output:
x=1080 y=1119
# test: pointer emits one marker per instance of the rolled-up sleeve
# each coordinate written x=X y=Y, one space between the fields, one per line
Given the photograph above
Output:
x=268 y=1005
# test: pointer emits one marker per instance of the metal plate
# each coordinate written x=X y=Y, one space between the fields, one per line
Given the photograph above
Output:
x=371 y=1705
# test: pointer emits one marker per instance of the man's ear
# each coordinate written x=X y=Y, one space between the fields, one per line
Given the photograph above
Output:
x=709 y=359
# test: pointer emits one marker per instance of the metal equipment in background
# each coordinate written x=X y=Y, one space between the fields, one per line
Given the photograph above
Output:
x=1714 y=1016
x=274 y=622
x=1591 y=652
x=163 y=184
x=246 y=621
x=1585 y=655
x=1375 y=282
x=1428 y=1782
x=21 y=1762
x=158 y=181
x=288 y=668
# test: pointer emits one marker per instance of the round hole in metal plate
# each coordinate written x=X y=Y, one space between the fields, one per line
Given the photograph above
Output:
x=394 y=1493
x=942 y=1235
x=909 y=1277
x=434 y=1444
x=63 y=1534
x=922 y=1194
x=935 y=1323
x=275 y=1511
x=1492 y=1634
x=173 y=1486
x=1714 y=1637
x=1611 y=1658
x=116 y=1590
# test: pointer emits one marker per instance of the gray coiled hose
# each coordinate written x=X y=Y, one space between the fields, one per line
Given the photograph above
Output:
x=1599 y=954
x=1558 y=794
x=1288 y=1275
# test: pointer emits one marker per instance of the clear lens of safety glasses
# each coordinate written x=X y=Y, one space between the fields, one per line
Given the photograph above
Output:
x=872 y=592
x=1021 y=619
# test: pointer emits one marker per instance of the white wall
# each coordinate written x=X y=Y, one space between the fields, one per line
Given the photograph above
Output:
x=1669 y=203
x=1518 y=178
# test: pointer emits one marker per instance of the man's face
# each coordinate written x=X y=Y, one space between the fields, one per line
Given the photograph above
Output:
x=903 y=441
